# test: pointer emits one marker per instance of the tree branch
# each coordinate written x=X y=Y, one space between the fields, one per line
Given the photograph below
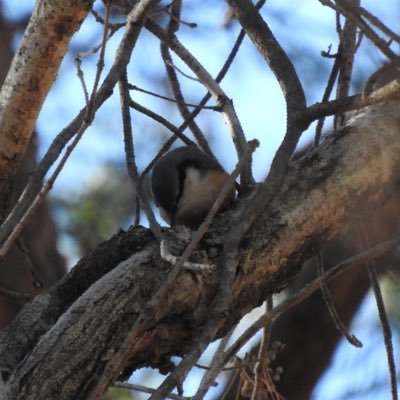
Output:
x=318 y=193
x=30 y=77
x=123 y=54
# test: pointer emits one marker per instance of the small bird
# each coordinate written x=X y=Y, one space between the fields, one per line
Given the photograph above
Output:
x=185 y=183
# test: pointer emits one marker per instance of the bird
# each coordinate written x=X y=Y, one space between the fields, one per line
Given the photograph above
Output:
x=185 y=183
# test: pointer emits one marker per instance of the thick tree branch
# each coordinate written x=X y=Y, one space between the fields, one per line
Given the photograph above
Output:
x=30 y=77
x=350 y=169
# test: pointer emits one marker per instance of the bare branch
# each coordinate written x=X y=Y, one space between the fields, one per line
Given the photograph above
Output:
x=15 y=295
x=212 y=85
x=308 y=211
x=346 y=53
x=282 y=67
x=262 y=364
x=208 y=378
x=30 y=77
x=380 y=304
x=346 y=9
x=200 y=106
x=325 y=97
x=387 y=332
x=387 y=92
x=173 y=100
x=34 y=185
x=163 y=121
x=326 y=294
x=271 y=51
x=357 y=260
x=87 y=120
x=176 y=89
x=130 y=156
x=144 y=389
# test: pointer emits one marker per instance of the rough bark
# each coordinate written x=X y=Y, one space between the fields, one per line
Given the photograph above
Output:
x=80 y=323
x=307 y=330
x=29 y=79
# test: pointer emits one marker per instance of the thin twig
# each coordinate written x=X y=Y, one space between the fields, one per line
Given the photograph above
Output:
x=326 y=295
x=346 y=54
x=100 y=19
x=213 y=87
x=379 y=24
x=380 y=304
x=262 y=362
x=172 y=28
x=209 y=379
x=81 y=77
x=231 y=382
x=176 y=17
x=37 y=283
x=184 y=74
x=21 y=224
x=163 y=121
x=144 y=389
x=357 y=260
x=387 y=332
x=201 y=104
x=362 y=12
x=327 y=94
x=380 y=43
x=177 y=91
x=11 y=294
x=100 y=64
x=130 y=156
x=172 y=100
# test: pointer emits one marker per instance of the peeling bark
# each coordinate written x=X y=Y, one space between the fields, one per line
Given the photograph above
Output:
x=81 y=322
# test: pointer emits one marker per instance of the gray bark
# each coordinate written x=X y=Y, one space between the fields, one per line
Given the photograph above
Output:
x=70 y=332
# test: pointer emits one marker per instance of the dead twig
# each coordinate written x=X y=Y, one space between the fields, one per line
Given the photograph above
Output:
x=344 y=9
x=13 y=295
x=345 y=56
x=144 y=389
x=173 y=100
x=262 y=375
x=130 y=156
x=326 y=295
x=357 y=260
x=213 y=87
x=380 y=304
x=209 y=379
x=163 y=121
